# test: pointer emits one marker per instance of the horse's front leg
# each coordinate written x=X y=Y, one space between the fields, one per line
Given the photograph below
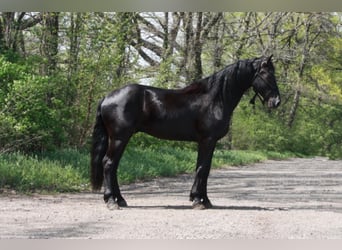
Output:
x=198 y=192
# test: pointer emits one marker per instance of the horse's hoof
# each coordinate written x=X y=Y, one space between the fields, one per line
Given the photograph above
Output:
x=198 y=205
x=122 y=203
x=207 y=204
x=112 y=205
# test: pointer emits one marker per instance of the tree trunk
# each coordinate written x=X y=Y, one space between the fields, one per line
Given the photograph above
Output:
x=49 y=46
x=9 y=30
x=197 y=71
x=294 y=108
x=187 y=22
x=125 y=31
x=74 y=37
x=307 y=45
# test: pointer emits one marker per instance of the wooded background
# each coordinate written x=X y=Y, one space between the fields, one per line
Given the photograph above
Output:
x=55 y=66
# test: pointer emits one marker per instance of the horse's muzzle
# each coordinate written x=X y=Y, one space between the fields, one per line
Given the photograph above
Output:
x=273 y=102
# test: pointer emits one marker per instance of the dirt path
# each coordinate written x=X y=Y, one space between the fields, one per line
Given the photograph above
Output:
x=297 y=198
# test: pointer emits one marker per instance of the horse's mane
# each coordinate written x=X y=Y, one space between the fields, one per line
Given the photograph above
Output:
x=229 y=72
x=196 y=87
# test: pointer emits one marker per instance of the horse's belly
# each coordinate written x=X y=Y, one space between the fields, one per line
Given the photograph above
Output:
x=175 y=130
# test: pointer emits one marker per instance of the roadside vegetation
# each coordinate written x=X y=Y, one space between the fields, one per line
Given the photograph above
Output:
x=56 y=66
x=68 y=170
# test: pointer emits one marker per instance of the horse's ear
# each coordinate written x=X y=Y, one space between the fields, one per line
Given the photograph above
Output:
x=269 y=59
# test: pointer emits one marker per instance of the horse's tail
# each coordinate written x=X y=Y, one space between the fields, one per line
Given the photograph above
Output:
x=98 y=150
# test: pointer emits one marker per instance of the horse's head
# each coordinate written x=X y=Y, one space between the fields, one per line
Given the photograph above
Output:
x=264 y=83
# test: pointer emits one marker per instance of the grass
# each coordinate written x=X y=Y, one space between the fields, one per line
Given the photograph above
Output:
x=68 y=170
x=29 y=173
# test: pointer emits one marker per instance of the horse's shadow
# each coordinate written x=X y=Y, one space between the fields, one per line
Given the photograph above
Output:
x=184 y=207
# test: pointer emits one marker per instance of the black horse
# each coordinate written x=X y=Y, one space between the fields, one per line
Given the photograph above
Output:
x=199 y=112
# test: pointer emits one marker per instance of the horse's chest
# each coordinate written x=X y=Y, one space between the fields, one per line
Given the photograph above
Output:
x=214 y=123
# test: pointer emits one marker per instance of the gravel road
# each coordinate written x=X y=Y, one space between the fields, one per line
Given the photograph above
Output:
x=290 y=199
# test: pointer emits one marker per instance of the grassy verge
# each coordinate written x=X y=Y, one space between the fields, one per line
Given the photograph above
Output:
x=68 y=170
x=29 y=173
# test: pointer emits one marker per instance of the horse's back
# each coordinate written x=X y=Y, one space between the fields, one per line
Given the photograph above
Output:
x=120 y=94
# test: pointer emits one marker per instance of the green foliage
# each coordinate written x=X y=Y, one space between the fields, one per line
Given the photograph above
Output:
x=256 y=128
x=98 y=52
x=166 y=77
x=143 y=140
x=68 y=170
x=78 y=159
x=32 y=111
x=43 y=111
x=145 y=163
x=314 y=132
x=28 y=173
x=317 y=130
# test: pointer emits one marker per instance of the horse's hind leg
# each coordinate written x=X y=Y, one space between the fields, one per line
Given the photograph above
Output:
x=112 y=194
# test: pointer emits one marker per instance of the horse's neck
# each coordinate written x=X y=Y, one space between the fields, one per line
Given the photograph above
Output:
x=233 y=97
x=233 y=89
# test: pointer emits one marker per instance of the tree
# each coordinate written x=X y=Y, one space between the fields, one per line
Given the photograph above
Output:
x=49 y=42
x=55 y=66
x=99 y=59
x=12 y=25
x=174 y=40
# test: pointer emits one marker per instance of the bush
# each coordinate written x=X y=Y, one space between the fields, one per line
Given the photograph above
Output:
x=31 y=115
x=28 y=173
x=315 y=131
